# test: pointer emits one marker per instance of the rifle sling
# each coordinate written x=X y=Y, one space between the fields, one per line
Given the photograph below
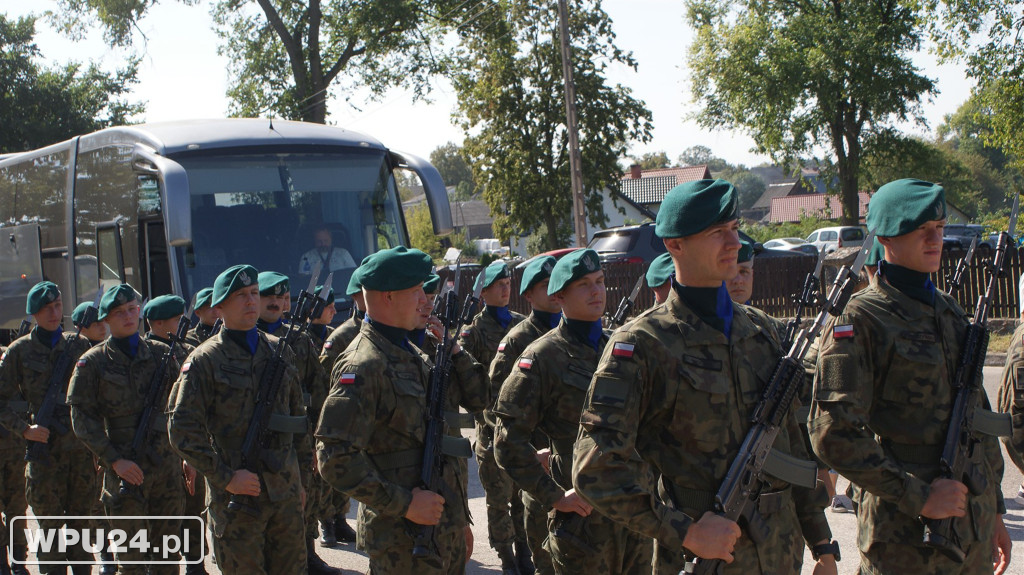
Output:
x=791 y=469
x=450 y=445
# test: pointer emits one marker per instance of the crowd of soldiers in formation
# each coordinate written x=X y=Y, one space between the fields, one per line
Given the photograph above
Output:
x=599 y=451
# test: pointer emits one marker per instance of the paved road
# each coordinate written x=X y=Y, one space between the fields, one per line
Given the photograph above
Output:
x=844 y=527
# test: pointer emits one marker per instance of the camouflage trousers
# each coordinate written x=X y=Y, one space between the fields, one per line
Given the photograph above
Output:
x=536 y=518
x=505 y=522
x=195 y=506
x=596 y=544
x=12 y=488
x=886 y=558
x=63 y=484
x=388 y=542
x=270 y=541
x=161 y=493
x=317 y=502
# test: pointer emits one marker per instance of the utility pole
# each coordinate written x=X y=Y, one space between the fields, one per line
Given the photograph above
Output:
x=579 y=214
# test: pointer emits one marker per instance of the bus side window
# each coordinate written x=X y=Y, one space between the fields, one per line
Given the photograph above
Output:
x=110 y=259
x=157 y=266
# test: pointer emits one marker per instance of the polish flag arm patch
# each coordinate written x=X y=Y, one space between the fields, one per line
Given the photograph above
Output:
x=464 y=333
x=347 y=379
x=501 y=346
x=186 y=366
x=525 y=363
x=842 y=331
x=623 y=350
x=328 y=344
x=80 y=363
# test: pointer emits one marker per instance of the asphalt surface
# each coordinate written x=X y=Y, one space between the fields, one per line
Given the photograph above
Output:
x=844 y=526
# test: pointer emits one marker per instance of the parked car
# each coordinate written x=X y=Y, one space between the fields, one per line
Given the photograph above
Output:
x=490 y=246
x=628 y=244
x=791 y=245
x=959 y=236
x=831 y=239
x=557 y=254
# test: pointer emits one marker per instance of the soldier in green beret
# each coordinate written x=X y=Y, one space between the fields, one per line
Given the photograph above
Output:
x=95 y=331
x=883 y=395
x=659 y=277
x=674 y=390
x=334 y=345
x=107 y=394
x=207 y=315
x=275 y=299
x=163 y=313
x=53 y=486
x=320 y=326
x=741 y=286
x=544 y=393
x=211 y=407
x=481 y=338
x=372 y=428
x=544 y=316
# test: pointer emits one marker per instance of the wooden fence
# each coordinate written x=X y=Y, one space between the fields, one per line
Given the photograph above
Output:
x=777 y=279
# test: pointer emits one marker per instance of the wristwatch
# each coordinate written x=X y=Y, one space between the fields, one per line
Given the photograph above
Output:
x=830 y=548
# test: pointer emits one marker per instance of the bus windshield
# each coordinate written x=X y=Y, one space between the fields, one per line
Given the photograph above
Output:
x=288 y=212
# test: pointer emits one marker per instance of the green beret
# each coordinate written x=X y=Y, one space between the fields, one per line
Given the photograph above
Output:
x=902 y=206
x=572 y=267
x=538 y=271
x=496 y=271
x=396 y=269
x=876 y=254
x=116 y=297
x=78 y=316
x=354 y=285
x=432 y=284
x=746 y=252
x=163 y=307
x=273 y=283
x=694 y=207
x=231 y=280
x=203 y=297
x=41 y=294
x=330 y=294
x=662 y=269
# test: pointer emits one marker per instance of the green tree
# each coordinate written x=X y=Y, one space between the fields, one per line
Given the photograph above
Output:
x=41 y=106
x=808 y=75
x=455 y=170
x=749 y=185
x=421 y=231
x=702 y=155
x=288 y=56
x=653 y=161
x=511 y=105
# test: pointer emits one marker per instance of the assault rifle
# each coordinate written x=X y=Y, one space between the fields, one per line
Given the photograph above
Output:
x=807 y=297
x=25 y=327
x=962 y=447
x=257 y=435
x=216 y=327
x=954 y=281
x=627 y=303
x=737 y=496
x=156 y=401
x=56 y=389
x=432 y=471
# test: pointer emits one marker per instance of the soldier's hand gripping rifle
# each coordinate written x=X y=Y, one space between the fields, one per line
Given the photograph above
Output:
x=432 y=471
x=807 y=297
x=156 y=402
x=737 y=496
x=962 y=447
x=56 y=388
x=954 y=281
x=626 y=305
x=258 y=434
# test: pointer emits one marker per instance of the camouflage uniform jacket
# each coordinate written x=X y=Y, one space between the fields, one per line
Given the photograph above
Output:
x=312 y=377
x=481 y=339
x=679 y=393
x=25 y=368
x=372 y=428
x=338 y=341
x=212 y=404
x=181 y=349
x=882 y=400
x=319 y=338
x=545 y=392
x=511 y=347
x=1011 y=396
x=107 y=395
x=197 y=335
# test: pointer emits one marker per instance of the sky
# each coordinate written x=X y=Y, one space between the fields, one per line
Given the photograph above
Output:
x=183 y=77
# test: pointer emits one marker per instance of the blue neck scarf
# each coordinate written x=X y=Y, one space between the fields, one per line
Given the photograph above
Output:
x=47 y=337
x=589 y=332
x=129 y=345
x=712 y=305
x=270 y=328
x=914 y=284
x=547 y=318
x=501 y=315
x=248 y=340
x=417 y=337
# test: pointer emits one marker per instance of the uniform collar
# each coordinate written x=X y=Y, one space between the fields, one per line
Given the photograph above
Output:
x=908 y=308
x=694 y=329
x=545 y=320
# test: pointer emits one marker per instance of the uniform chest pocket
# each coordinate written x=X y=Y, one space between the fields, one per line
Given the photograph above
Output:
x=407 y=414
x=576 y=382
x=234 y=392
x=916 y=372
x=36 y=366
x=703 y=408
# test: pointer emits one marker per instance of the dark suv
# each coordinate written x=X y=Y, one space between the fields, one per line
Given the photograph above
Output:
x=639 y=245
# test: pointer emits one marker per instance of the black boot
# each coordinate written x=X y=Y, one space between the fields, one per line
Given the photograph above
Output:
x=508 y=560
x=19 y=553
x=81 y=569
x=195 y=568
x=342 y=530
x=5 y=566
x=315 y=565
x=524 y=558
x=109 y=566
x=327 y=539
